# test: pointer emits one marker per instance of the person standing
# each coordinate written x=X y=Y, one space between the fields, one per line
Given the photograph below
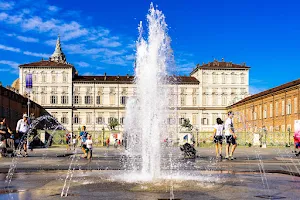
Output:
x=107 y=142
x=22 y=129
x=89 y=146
x=230 y=136
x=83 y=137
x=218 y=137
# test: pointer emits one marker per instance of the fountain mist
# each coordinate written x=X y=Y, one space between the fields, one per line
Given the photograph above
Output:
x=147 y=112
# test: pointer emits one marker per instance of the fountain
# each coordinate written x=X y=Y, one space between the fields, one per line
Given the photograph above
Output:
x=146 y=114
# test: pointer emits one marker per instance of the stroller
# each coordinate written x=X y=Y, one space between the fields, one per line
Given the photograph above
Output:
x=188 y=151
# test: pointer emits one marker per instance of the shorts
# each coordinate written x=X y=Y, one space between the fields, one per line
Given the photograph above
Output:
x=230 y=140
x=218 y=139
x=83 y=145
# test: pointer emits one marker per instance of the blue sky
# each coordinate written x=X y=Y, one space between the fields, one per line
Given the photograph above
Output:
x=98 y=36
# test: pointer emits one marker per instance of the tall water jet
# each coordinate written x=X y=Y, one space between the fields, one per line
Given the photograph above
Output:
x=147 y=112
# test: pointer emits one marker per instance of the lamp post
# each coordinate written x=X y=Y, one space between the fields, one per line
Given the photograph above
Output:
x=289 y=130
x=28 y=81
x=103 y=131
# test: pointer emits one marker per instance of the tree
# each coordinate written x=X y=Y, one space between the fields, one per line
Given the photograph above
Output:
x=186 y=124
x=113 y=123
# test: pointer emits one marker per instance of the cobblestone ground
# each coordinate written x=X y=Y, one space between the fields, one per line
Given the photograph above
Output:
x=257 y=173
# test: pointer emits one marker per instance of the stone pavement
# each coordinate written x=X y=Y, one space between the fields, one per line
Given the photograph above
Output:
x=271 y=173
x=272 y=159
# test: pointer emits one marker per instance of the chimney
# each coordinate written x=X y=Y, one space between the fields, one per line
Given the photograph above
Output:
x=105 y=76
x=127 y=76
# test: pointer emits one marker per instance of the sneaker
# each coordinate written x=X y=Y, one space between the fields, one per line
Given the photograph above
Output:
x=227 y=157
x=221 y=157
x=232 y=158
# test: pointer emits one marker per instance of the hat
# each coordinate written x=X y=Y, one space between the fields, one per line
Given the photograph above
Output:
x=25 y=116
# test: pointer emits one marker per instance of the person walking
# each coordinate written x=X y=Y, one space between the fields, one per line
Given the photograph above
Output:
x=5 y=137
x=89 y=146
x=83 y=137
x=230 y=136
x=22 y=129
x=107 y=142
x=218 y=137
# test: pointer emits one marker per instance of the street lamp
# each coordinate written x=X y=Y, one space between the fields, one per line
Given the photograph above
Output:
x=289 y=144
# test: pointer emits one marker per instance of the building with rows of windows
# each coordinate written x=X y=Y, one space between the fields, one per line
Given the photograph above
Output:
x=94 y=100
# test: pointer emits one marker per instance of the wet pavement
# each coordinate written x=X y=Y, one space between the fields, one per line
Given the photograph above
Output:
x=271 y=173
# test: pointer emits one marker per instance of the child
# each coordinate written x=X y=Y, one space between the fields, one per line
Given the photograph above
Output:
x=218 y=137
x=297 y=142
x=74 y=142
x=89 y=146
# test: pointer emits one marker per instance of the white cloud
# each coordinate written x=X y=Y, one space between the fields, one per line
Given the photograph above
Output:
x=82 y=64
x=6 y=5
x=6 y=48
x=27 y=39
x=53 y=8
x=3 y=16
x=51 y=42
x=130 y=57
x=23 y=38
x=42 y=55
x=109 y=42
x=255 y=90
x=14 y=66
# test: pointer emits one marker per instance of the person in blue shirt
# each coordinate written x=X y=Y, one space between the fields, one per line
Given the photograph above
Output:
x=83 y=136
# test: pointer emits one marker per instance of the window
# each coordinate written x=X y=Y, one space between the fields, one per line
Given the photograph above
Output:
x=289 y=107
x=204 y=121
x=65 y=90
x=182 y=100
x=88 y=100
x=265 y=111
x=43 y=99
x=123 y=100
x=64 y=119
x=223 y=78
x=110 y=119
x=53 y=99
x=224 y=100
x=64 y=99
x=181 y=120
x=53 y=78
x=112 y=99
x=76 y=99
x=282 y=107
x=100 y=120
x=233 y=78
x=205 y=99
x=260 y=112
x=43 y=78
x=242 y=79
x=295 y=105
x=88 y=117
x=194 y=100
x=271 y=110
x=215 y=78
x=194 y=118
x=276 y=109
x=34 y=78
x=98 y=100
x=122 y=120
x=65 y=78
x=76 y=119
x=215 y=99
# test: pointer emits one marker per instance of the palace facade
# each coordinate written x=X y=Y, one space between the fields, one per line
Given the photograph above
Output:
x=275 y=109
x=93 y=101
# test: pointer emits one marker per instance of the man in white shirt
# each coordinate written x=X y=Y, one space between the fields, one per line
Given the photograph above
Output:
x=230 y=136
x=22 y=129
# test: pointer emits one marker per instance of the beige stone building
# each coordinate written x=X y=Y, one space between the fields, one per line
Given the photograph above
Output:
x=94 y=100
x=275 y=109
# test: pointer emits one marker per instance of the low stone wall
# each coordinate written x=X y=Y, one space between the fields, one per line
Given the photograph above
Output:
x=244 y=139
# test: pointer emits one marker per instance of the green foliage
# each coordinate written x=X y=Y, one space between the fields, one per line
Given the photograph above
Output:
x=113 y=123
x=186 y=124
